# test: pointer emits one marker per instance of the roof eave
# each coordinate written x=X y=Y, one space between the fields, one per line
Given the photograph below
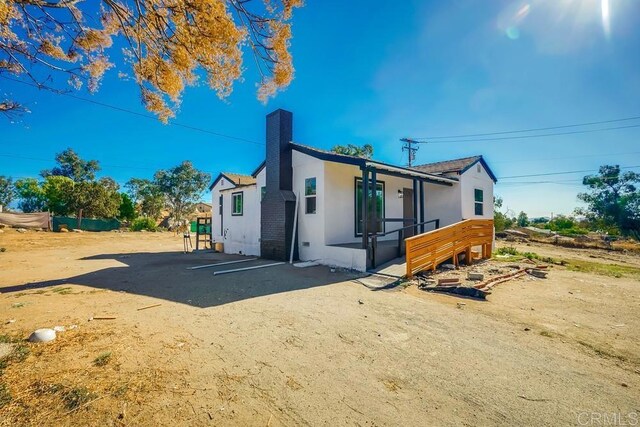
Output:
x=259 y=169
x=484 y=165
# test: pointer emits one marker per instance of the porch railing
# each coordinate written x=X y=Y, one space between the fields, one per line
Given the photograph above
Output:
x=401 y=233
x=425 y=251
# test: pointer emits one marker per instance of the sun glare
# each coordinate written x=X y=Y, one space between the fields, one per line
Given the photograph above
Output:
x=606 y=20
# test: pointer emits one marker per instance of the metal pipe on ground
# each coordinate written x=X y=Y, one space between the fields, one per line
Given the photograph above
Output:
x=215 y=273
x=220 y=263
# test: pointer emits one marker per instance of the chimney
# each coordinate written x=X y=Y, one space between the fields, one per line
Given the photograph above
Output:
x=278 y=204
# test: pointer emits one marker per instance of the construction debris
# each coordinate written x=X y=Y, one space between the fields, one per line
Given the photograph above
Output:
x=458 y=290
x=475 y=276
x=149 y=306
x=490 y=283
x=485 y=276
x=450 y=281
x=536 y=272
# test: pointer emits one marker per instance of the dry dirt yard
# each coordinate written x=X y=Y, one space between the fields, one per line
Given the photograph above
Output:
x=304 y=346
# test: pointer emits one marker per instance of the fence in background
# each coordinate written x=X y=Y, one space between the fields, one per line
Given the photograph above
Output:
x=26 y=220
x=86 y=224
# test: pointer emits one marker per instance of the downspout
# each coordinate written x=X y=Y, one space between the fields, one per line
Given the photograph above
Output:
x=295 y=228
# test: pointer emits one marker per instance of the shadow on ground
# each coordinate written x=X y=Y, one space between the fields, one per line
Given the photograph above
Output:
x=165 y=275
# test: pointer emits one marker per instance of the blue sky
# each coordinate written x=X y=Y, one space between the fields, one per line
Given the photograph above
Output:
x=373 y=72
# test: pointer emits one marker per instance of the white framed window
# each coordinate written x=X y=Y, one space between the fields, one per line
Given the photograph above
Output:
x=237 y=201
x=478 y=201
x=310 y=195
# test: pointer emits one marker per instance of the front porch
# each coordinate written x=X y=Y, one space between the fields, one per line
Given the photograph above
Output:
x=382 y=235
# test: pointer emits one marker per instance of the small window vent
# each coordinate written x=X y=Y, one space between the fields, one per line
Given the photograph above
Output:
x=307 y=244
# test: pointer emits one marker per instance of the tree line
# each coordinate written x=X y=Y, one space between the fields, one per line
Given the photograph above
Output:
x=71 y=188
x=612 y=200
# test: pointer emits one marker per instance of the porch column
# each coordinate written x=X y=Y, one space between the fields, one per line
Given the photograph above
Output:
x=363 y=208
x=422 y=218
x=415 y=206
x=374 y=195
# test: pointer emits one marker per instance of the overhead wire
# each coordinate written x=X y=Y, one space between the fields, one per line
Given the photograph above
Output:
x=505 y=138
x=532 y=129
x=139 y=114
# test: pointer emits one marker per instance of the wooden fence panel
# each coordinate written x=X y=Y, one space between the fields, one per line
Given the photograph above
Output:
x=425 y=251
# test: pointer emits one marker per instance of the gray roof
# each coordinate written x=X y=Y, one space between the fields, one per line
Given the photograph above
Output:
x=455 y=165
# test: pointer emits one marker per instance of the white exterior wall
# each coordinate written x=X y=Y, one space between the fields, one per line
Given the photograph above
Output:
x=339 y=220
x=311 y=239
x=333 y=221
x=469 y=181
x=242 y=232
x=224 y=183
x=443 y=202
x=239 y=233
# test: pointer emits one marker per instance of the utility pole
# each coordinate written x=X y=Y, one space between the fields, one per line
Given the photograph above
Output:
x=410 y=148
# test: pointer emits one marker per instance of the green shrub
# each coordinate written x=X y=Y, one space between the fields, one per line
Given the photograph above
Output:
x=573 y=231
x=507 y=251
x=144 y=223
x=530 y=255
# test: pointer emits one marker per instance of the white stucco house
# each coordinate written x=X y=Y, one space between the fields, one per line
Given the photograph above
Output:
x=322 y=206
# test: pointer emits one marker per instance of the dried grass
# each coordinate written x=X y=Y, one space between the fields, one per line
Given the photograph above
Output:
x=57 y=383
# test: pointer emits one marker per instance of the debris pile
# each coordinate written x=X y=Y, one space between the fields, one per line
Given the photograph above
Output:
x=477 y=280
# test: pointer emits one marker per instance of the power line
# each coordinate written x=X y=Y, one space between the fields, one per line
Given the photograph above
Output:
x=525 y=183
x=561 y=173
x=532 y=129
x=529 y=136
x=567 y=157
x=136 y=113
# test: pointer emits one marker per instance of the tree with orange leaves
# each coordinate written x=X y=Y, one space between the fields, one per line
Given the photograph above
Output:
x=170 y=44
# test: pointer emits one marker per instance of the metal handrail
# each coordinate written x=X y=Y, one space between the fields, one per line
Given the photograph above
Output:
x=400 y=231
x=437 y=222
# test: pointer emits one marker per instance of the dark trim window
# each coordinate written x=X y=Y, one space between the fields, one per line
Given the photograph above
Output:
x=310 y=195
x=263 y=191
x=377 y=204
x=237 y=200
x=478 y=201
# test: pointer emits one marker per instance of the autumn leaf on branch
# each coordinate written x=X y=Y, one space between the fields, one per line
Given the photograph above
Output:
x=170 y=44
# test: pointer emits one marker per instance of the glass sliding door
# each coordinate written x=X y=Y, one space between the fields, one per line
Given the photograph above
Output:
x=375 y=205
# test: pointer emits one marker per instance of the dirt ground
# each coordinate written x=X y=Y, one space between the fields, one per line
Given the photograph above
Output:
x=303 y=346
